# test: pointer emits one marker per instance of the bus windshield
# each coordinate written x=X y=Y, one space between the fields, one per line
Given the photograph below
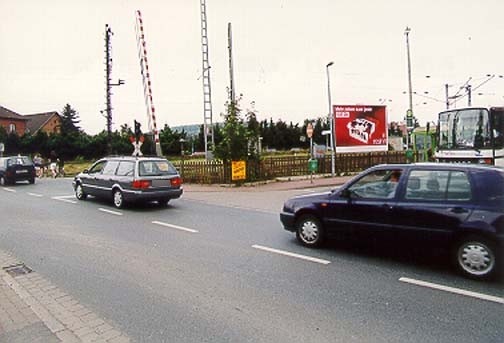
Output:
x=465 y=129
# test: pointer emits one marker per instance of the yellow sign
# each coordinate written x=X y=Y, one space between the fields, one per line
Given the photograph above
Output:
x=238 y=170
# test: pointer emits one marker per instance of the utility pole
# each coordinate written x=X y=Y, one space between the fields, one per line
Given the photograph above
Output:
x=231 y=72
x=208 y=131
x=447 y=96
x=331 y=121
x=410 y=87
x=108 y=70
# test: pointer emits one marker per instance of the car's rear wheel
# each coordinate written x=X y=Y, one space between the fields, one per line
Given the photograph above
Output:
x=476 y=257
x=32 y=181
x=163 y=202
x=79 y=192
x=118 y=198
x=309 y=231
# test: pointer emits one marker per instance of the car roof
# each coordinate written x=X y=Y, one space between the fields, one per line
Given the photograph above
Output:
x=133 y=158
x=429 y=165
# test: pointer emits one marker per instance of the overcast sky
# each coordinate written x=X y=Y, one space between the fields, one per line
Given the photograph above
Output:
x=52 y=53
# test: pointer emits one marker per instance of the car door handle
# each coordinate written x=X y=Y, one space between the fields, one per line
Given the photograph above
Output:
x=459 y=210
x=387 y=206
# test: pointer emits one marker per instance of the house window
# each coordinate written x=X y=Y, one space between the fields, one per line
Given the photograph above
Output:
x=12 y=128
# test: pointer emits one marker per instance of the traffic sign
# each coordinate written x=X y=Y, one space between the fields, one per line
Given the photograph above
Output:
x=309 y=130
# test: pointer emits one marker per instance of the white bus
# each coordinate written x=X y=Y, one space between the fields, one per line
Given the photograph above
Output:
x=471 y=135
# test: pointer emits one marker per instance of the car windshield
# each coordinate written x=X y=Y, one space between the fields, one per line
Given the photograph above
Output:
x=464 y=129
x=156 y=168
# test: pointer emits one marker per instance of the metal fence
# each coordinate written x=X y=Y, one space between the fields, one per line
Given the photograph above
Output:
x=268 y=168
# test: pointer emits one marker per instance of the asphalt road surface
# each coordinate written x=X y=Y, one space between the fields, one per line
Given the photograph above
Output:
x=208 y=268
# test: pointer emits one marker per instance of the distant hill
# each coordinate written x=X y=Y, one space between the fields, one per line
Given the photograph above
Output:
x=190 y=130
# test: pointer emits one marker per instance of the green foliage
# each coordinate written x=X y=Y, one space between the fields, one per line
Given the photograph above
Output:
x=234 y=144
x=69 y=121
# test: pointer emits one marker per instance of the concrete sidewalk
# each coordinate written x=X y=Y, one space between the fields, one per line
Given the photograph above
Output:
x=36 y=311
x=265 y=197
x=279 y=184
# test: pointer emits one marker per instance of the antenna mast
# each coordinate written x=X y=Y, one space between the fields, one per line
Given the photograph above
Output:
x=208 y=131
x=144 y=70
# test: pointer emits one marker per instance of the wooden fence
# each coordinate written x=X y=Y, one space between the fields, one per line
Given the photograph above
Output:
x=273 y=167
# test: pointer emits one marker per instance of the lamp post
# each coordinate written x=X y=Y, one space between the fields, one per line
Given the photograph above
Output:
x=331 y=120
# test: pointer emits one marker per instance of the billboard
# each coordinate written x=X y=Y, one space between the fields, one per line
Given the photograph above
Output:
x=360 y=128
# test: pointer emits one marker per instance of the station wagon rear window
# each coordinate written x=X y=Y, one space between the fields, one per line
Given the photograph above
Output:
x=156 y=168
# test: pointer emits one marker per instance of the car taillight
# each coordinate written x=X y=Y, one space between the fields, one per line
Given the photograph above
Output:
x=176 y=181
x=141 y=184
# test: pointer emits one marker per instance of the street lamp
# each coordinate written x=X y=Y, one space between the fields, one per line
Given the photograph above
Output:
x=330 y=117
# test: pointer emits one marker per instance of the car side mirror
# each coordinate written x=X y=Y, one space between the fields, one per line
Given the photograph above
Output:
x=346 y=193
x=85 y=171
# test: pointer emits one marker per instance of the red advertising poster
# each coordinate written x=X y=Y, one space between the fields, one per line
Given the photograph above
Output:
x=360 y=128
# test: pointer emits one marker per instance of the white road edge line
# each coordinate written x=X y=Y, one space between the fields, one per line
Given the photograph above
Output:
x=35 y=195
x=453 y=290
x=9 y=190
x=110 y=211
x=286 y=253
x=175 y=226
x=64 y=200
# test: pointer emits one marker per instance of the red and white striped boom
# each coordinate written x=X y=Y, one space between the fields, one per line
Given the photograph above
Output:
x=144 y=70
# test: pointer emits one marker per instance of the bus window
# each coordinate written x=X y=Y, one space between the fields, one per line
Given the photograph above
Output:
x=497 y=115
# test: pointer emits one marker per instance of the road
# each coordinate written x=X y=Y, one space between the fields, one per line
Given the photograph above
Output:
x=216 y=266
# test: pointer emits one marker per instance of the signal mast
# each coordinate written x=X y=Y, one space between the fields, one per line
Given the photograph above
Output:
x=208 y=131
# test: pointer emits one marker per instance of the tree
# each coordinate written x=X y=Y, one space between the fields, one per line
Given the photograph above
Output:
x=253 y=134
x=234 y=144
x=69 y=121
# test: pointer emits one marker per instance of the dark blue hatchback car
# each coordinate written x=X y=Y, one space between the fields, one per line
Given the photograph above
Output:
x=456 y=206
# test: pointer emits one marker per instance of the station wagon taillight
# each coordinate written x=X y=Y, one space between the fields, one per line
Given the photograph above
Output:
x=176 y=181
x=141 y=184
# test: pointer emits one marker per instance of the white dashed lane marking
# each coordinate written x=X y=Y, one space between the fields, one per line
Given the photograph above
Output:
x=35 y=195
x=181 y=228
x=9 y=190
x=64 y=198
x=453 y=290
x=290 y=254
x=110 y=211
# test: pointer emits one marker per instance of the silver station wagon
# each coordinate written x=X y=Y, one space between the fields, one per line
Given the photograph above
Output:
x=130 y=179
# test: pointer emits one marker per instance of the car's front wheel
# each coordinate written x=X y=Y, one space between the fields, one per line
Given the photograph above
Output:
x=309 y=231
x=79 y=192
x=476 y=257
x=118 y=198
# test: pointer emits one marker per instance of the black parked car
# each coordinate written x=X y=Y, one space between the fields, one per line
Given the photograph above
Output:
x=455 y=206
x=130 y=179
x=16 y=168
